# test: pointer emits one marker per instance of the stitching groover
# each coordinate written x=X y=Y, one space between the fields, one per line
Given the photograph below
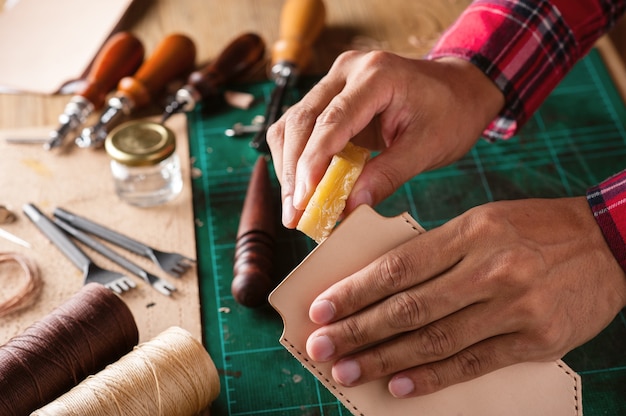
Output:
x=306 y=362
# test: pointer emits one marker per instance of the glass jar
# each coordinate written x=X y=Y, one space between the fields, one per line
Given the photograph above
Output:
x=145 y=167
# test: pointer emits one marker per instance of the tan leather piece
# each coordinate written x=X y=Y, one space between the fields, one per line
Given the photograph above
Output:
x=549 y=388
x=45 y=44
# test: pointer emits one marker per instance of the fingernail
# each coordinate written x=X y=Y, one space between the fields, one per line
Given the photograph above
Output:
x=289 y=212
x=322 y=311
x=346 y=372
x=401 y=386
x=320 y=348
x=299 y=195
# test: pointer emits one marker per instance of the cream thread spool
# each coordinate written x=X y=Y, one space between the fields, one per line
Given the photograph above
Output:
x=170 y=375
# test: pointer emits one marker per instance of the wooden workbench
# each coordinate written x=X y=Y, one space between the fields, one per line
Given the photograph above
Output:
x=407 y=28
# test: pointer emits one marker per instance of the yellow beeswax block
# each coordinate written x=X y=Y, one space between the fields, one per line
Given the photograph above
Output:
x=329 y=199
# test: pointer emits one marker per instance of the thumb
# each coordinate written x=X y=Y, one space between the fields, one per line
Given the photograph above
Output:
x=380 y=178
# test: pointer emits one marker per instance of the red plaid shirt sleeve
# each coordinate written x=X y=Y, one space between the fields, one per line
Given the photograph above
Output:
x=526 y=47
x=608 y=203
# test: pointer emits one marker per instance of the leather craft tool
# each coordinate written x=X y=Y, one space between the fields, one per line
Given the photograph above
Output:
x=254 y=250
x=173 y=263
x=542 y=388
x=239 y=56
x=119 y=57
x=115 y=281
x=301 y=22
x=173 y=57
x=157 y=283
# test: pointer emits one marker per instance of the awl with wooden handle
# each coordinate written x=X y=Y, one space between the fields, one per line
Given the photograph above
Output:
x=120 y=56
x=173 y=57
x=301 y=22
x=239 y=56
x=254 y=250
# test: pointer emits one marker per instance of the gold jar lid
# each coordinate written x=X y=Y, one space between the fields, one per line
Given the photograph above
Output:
x=140 y=143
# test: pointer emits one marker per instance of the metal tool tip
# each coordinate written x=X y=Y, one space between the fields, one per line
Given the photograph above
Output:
x=90 y=137
x=171 y=108
x=166 y=115
x=50 y=145
x=55 y=140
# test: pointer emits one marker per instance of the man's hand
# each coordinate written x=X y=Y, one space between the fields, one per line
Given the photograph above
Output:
x=506 y=282
x=419 y=114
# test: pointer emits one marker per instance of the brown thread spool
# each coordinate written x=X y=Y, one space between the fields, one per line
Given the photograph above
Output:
x=254 y=251
x=90 y=330
x=170 y=375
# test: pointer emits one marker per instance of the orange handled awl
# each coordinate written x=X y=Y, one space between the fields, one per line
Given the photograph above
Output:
x=239 y=56
x=120 y=56
x=301 y=22
x=173 y=57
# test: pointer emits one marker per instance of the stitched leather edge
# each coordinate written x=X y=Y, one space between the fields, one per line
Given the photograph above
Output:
x=321 y=377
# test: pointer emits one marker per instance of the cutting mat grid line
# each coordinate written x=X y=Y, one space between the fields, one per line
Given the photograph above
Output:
x=576 y=139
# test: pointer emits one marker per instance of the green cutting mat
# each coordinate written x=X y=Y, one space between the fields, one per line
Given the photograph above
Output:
x=575 y=140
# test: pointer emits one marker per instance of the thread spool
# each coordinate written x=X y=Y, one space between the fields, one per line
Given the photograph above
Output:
x=90 y=330
x=170 y=375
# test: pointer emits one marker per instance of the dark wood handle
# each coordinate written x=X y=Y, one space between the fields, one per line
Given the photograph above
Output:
x=173 y=57
x=120 y=56
x=239 y=56
x=254 y=252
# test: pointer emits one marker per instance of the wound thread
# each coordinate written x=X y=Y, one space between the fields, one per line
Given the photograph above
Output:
x=170 y=375
x=90 y=330
x=29 y=288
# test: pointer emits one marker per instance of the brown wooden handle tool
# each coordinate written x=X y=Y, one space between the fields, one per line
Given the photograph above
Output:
x=173 y=57
x=120 y=56
x=254 y=250
x=301 y=22
x=239 y=56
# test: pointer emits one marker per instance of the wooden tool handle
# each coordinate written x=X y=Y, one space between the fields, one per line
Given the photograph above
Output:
x=120 y=56
x=236 y=59
x=172 y=58
x=301 y=22
x=254 y=251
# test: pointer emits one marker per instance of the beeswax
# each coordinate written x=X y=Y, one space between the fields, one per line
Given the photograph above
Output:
x=329 y=199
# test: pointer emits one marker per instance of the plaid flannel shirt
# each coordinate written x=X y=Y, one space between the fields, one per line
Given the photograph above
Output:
x=526 y=47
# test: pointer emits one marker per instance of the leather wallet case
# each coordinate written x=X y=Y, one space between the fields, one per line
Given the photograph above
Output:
x=544 y=388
